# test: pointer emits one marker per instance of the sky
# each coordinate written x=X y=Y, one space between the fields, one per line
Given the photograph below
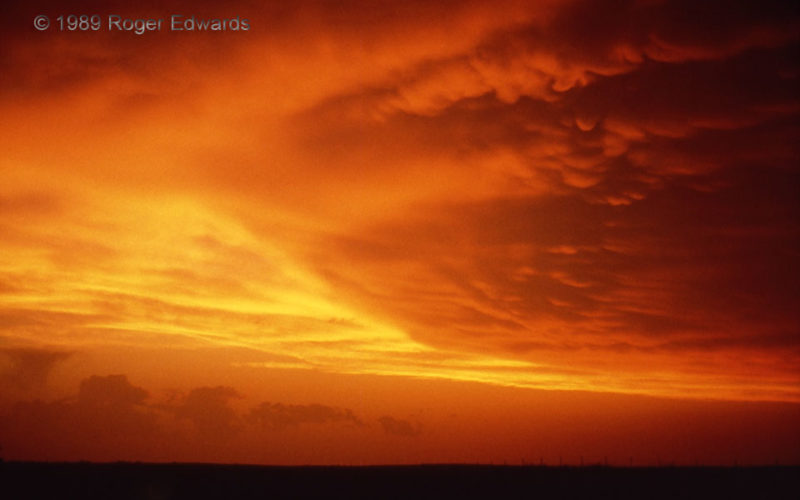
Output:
x=372 y=232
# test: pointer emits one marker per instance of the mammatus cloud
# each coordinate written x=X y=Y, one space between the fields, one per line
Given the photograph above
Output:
x=650 y=200
x=568 y=194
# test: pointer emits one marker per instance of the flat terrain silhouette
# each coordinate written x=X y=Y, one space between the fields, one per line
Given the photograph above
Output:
x=83 y=480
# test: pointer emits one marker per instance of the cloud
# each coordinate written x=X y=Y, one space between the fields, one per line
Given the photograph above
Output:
x=110 y=391
x=279 y=416
x=108 y=420
x=29 y=368
x=569 y=188
x=208 y=409
x=399 y=427
x=663 y=159
x=112 y=419
x=583 y=43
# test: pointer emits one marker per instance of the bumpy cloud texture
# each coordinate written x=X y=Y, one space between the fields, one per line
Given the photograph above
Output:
x=562 y=195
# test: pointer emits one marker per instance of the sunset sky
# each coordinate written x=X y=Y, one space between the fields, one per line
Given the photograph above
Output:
x=402 y=231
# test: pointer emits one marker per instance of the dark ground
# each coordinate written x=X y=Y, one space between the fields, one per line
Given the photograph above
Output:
x=24 y=480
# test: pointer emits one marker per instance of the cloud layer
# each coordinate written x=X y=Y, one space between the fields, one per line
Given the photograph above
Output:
x=565 y=195
x=112 y=418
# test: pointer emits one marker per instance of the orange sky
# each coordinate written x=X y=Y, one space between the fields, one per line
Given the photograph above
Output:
x=400 y=232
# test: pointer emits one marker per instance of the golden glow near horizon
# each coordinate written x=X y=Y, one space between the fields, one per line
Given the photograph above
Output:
x=359 y=194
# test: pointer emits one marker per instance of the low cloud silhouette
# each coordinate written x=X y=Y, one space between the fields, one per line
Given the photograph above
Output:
x=112 y=419
x=108 y=420
x=279 y=416
x=208 y=408
x=28 y=368
x=110 y=391
x=398 y=427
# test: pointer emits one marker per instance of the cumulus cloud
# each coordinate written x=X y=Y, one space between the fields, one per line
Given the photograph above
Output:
x=208 y=409
x=110 y=391
x=111 y=419
x=399 y=427
x=29 y=368
x=108 y=415
x=279 y=416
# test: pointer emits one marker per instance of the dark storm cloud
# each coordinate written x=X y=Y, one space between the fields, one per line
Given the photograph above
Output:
x=656 y=206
